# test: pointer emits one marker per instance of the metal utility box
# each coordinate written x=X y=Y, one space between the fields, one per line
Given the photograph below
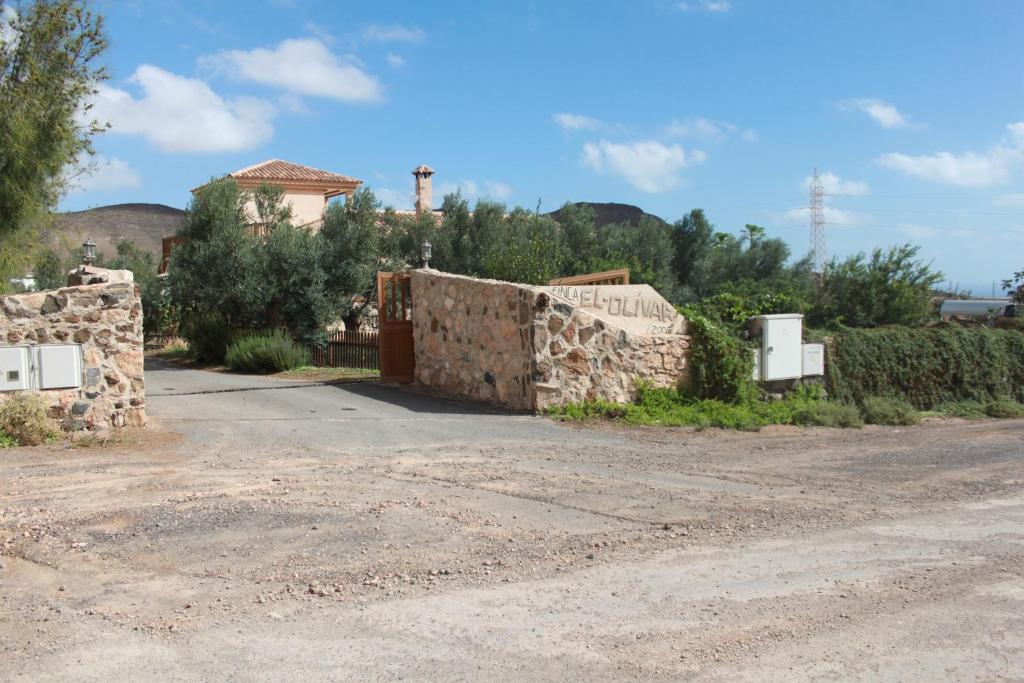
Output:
x=781 y=342
x=60 y=366
x=814 y=360
x=15 y=368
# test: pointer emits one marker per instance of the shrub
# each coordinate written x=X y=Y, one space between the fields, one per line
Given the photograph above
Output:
x=208 y=335
x=1004 y=409
x=176 y=347
x=667 y=407
x=721 y=366
x=926 y=367
x=969 y=410
x=265 y=352
x=7 y=441
x=827 y=414
x=886 y=288
x=889 y=411
x=24 y=419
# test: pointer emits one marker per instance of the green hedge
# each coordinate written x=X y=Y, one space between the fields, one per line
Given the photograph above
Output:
x=927 y=367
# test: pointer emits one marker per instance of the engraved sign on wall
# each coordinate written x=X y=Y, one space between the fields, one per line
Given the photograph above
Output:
x=638 y=309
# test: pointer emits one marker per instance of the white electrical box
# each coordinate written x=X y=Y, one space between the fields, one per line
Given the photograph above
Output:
x=60 y=366
x=814 y=360
x=15 y=368
x=781 y=346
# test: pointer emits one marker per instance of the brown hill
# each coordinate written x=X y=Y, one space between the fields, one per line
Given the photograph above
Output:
x=610 y=212
x=143 y=224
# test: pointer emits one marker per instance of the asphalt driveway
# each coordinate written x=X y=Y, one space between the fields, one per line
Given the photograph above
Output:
x=314 y=414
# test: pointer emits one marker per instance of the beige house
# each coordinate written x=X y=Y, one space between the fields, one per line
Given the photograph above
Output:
x=306 y=189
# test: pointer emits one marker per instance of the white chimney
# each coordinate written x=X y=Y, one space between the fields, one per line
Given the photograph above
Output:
x=424 y=195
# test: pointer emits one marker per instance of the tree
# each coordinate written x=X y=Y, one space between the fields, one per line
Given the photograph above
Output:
x=158 y=314
x=48 y=270
x=48 y=72
x=529 y=252
x=692 y=237
x=452 y=248
x=888 y=288
x=293 y=271
x=353 y=243
x=219 y=266
x=579 y=236
x=1014 y=287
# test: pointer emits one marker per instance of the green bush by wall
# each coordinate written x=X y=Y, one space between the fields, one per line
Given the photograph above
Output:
x=208 y=335
x=926 y=367
x=721 y=366
x=272 y=351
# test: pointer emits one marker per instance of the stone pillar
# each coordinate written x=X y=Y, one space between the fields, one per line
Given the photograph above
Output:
x=424 y=193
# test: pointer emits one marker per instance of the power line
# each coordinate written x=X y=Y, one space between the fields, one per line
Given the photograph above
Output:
x=976 y=231
x=966 y=213
x=956 y=198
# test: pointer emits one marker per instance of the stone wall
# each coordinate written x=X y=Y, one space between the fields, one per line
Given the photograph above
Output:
x=106 y=319
x=472 y=337
x=578 y=357
x=523 y=348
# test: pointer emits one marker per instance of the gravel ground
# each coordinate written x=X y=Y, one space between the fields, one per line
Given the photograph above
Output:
x=277 y=530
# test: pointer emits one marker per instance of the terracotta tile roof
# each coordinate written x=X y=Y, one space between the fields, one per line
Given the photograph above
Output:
x=275 y=169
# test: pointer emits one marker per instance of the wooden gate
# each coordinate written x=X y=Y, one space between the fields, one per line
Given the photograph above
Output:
x=394 y=311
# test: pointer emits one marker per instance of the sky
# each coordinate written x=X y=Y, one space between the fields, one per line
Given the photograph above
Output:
x=912 y=111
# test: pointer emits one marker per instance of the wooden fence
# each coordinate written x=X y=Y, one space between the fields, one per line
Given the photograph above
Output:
x=345 y=349
x=608 y=277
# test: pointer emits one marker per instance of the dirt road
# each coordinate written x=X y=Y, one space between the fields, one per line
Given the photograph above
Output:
x=354 y=532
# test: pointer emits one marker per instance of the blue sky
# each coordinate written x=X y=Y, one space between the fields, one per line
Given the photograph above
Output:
x=912 y=111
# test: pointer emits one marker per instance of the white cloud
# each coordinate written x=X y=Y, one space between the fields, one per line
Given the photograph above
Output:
x=179 y=114
x=300 y=65
x=394 y=33
x=473 y=190
x=970 y=169
x=578 y=122
x=885 y=114
x=396 y=199
x=1012 y=199
x=497 y=190
x=648 y=165
x=395 y=61
x=320 y=32
x=702 y=128
x=833 y=184
x=705 y=5
x=967 y=170
x=292 y=103
x=833 y=216
x=100 y=174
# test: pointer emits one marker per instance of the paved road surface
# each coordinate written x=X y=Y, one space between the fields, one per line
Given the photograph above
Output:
x=358 y=532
